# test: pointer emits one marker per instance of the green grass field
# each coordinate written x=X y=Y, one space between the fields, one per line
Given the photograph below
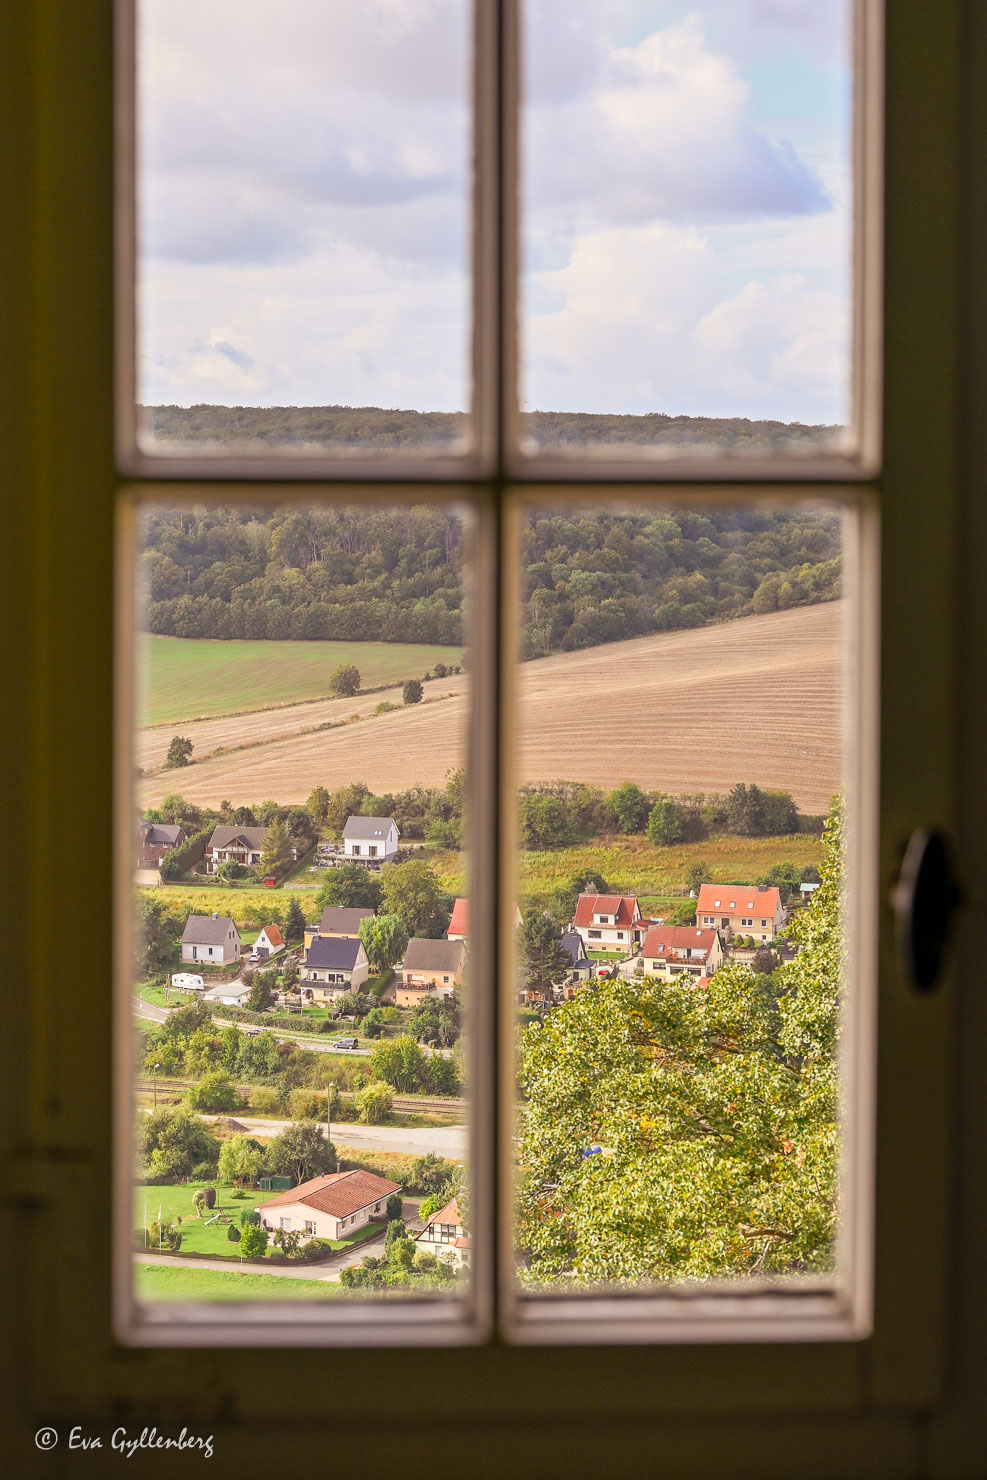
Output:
x=158 y=1282
x=633 y=865
x=197 y=678
x=196 y=1237
x=237 y=903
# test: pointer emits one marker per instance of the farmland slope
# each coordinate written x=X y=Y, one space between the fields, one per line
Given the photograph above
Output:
x=756 y=699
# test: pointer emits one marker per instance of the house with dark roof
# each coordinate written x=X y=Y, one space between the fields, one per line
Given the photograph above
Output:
x=333 y=965
x=155 y=839
x=338 y=920
x=328 y=1207
x=373 y=839
x=606 y=922
x=445 y=1236
x=671 y=950
x=430 y=967
x=572 y=943
x=213 y=939
x=230 y=844
x=741 y=909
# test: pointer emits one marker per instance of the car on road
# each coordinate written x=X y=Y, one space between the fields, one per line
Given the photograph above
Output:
x=347 y=1043
x=253 y=958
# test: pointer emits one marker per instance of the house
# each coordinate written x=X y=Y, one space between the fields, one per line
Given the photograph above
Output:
x=155 y=839
x=328 y=1207
x=338 y=920
x=230 y=994
x=807 y=891
x=235 y=845
x=671 y=950
x=429 y=966
x=269 y=941
x=459 y=925
x=573 y=944
x=210 y=938
x=333 y=965
x=741 y=909
x=371 y=838
x=443 y=1235
x=606 y=922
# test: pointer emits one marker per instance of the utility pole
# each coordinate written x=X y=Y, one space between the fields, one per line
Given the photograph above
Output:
x=329 y=1090
x=156 y=1068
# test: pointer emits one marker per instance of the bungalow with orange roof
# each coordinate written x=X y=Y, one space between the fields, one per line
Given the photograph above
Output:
x=443 y=1235
x=608 y=922
x=669 y=950
x=328 y=1207
x=741 y=909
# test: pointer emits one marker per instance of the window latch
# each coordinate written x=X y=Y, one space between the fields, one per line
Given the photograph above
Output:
x=925 y=900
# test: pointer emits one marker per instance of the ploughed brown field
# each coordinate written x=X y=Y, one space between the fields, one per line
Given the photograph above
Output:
x=757 y=699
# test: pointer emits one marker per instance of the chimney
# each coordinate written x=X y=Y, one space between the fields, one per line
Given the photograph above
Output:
x=215 y=914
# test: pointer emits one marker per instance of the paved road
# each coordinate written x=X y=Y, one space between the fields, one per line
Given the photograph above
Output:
x=145 y=1010
x=450 y=1141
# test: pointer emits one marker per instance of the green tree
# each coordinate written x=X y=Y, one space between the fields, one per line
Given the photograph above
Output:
x=233 y=1234
x=697 y=875
x=253 y=1243
x=778 y=813
x=239 y=1160
x=277 y=849
x=317 y=804
x=262 y=991
x=395 y=1230
x=544 y=823
x=294 y=925
x=430 y=1174
x=374 y=1102
x=215 y=1092
x=716 y=1112
x=745 y=810
x=543 y=959
x=349 y=887
x=629 y=806
x=394 y=1207
x=157 y=935
x=179 y=752
x=301 y=1151
x=400 y=1062
x=384 y=940
x=413 y=892
x=344 y=681
x=666 y=822
x=412 y=693
x=171 y=1143
x=432 y=1204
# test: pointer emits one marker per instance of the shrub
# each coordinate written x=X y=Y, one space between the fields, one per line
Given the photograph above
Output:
x=249 y=1218
x=215 y=1092
x=393 y=1210
x=203 y=1170
x=209 y=1193
x=433 y=1203
x=429 y=1174
x=233 y=1234
x=253 y=1242
x=264 y=1100
x=374 y=1102
x=395 y=1230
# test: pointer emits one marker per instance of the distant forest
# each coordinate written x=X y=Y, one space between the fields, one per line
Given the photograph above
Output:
x=308 y=429
x=374 y=573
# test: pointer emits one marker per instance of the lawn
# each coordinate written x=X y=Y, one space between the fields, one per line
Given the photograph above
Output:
x=196 y=1237
x=158 y=1282
x=157 y=996
x=198 y=678
x=632 y=865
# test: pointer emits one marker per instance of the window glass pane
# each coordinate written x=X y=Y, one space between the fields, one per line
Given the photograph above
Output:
x=301 y=897
x=686 y=228
x=680 y=757
x=303 y=190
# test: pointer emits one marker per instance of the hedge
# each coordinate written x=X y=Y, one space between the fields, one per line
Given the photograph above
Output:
x=181 y=861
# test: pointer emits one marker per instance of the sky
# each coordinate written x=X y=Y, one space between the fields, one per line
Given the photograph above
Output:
x=304 y=212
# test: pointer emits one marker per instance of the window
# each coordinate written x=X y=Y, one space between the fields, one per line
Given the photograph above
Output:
x=73 y=494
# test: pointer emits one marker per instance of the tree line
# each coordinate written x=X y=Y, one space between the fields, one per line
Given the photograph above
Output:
x=383 y=574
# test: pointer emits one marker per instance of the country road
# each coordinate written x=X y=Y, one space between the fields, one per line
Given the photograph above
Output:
x=450 y=1141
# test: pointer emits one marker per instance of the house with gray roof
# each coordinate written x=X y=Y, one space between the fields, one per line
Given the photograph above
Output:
x=334 y=965
x=572 y=942
x=155 y=839
x=430 y=967
x=213 y=939
x=373 y=838
x=230 y=844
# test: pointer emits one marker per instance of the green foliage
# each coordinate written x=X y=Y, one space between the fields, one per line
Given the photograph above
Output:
x=666 y=822
x=716 y=1112
x=233 y=1234
x=384 y=940
x=697 y=875
x=294 y=925
x=683 y=914
x=262 y=991
x=215 y=1092
x=179 y=752
x=249 y=1218
x=181 y=860
x=543 y=960
x=629 y=806
x=395 y=1230
x=412 y=892
x=157 y=935
x=349 y=887
x=277 y=849
x=301 y=1151
x=429 y=1175
x=374 y=1102
x=401 y=1063
x=344 y=681
x=172 y=1143
x=253 y=1243
x=412 y=693
x=433 y=1203
x=239 y=1161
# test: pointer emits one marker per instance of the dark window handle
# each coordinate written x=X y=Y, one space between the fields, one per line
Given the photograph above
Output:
x=924 y=900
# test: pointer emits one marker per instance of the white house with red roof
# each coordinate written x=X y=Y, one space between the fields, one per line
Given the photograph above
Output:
x=328 y=1207
x=671 y=950
x=741 y=909
x=608 y=922
x=269 y=941
x=444 y=1235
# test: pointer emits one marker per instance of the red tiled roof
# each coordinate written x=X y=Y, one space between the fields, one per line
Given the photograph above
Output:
x=273 y=934
x=449 y=1214
x=738 y=899
x=340 y=1194
x=460 y=922
x=665 y=940
x=621 y=906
